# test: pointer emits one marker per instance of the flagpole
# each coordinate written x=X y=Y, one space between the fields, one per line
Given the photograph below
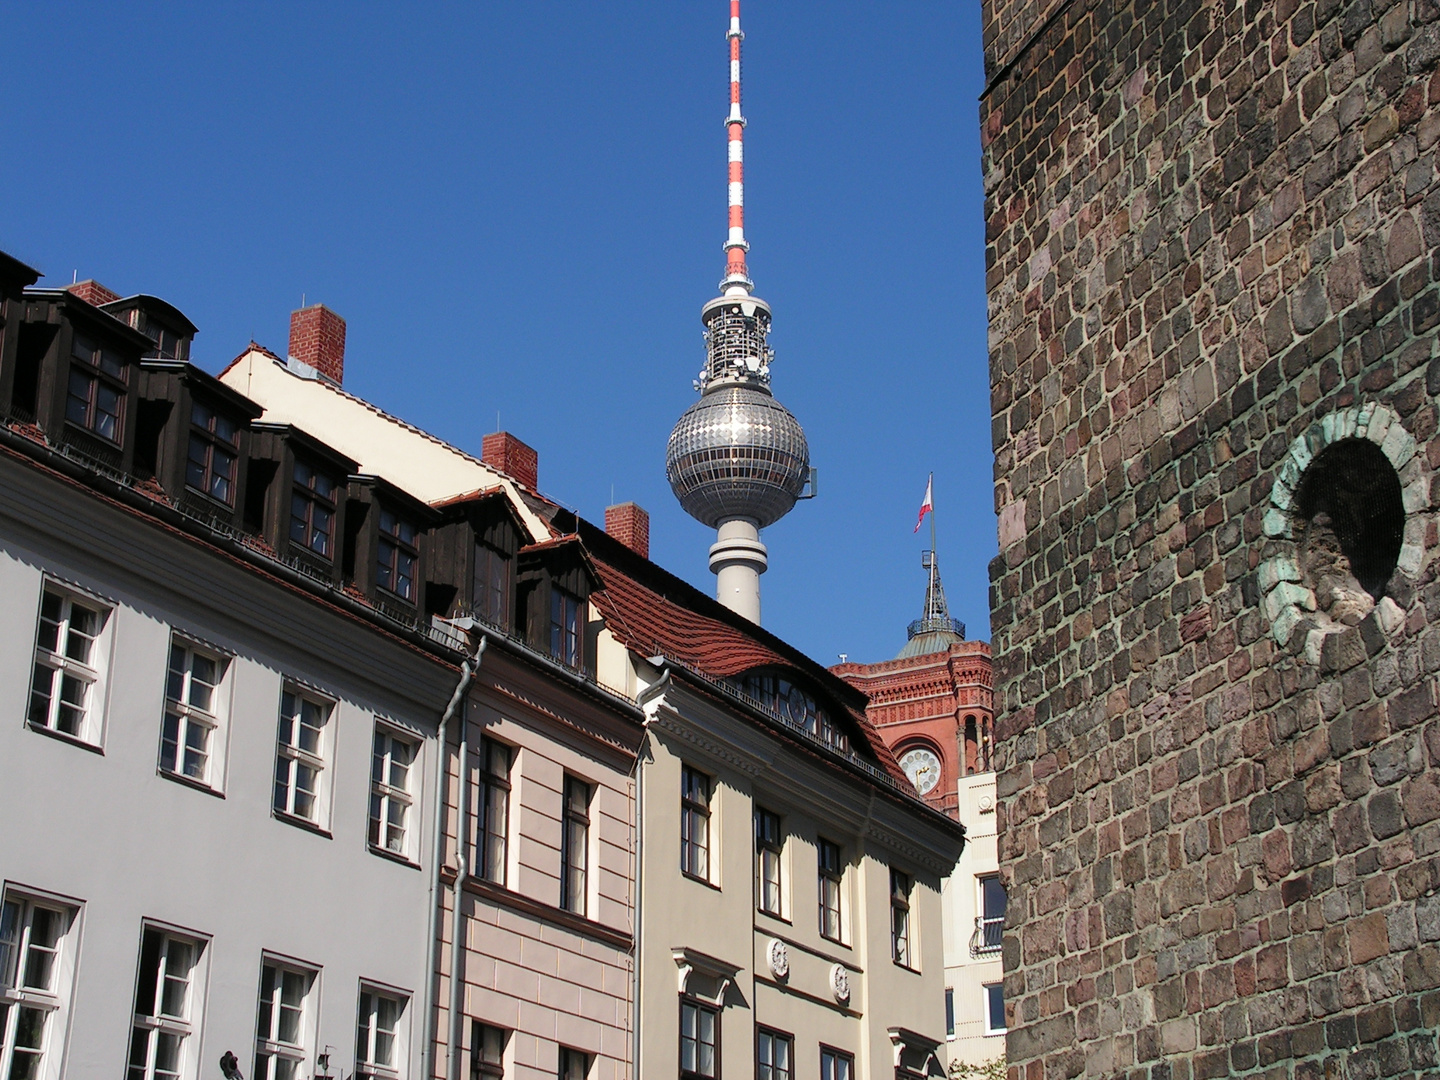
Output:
x=930 y=487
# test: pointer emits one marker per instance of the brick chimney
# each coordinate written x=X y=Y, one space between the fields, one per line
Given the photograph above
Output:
x=630 y=525
x=317 y=338
x=92 y=292
x=505 y=452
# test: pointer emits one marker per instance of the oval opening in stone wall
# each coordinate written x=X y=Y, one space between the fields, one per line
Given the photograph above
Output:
x=1354 y=522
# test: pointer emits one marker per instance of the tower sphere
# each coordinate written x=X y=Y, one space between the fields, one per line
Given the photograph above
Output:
x=737 y=453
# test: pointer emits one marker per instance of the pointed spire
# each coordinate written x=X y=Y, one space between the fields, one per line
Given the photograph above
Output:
x=935 y=630
x=737 y=278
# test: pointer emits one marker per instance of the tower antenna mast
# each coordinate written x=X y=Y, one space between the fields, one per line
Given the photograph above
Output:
x=737 y=277
x=737 y=459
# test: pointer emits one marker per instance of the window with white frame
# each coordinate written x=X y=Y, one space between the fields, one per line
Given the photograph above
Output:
x=990 y=925
x=391 y=800
x=284 y=1032
x=67 y=687
x=994 y=1008
x=379 y=1037
x=189 y=736
x=37 y=961
x=168 y=997
x=301 y=754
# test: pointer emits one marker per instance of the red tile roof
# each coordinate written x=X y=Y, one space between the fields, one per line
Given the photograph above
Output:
x=650 y=623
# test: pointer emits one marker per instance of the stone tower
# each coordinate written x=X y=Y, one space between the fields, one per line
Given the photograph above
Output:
x=1212 y=234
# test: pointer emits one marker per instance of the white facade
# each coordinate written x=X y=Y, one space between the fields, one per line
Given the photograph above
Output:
x=98 y=831
x=973 y=968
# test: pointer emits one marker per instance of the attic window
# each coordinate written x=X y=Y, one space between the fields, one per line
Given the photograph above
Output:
x=1350 y=502
x=794 y=704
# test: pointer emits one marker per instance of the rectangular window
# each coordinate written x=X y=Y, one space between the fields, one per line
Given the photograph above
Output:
x=567 y=628
x=949 y=1013
x=774 y=1053
x=192 y=712
x=300 y=755
x=378 y=1049
x=493 y=821
x=95 y=398
x=836 y=1064
x=992 y=914
x=283 y=1034
x=396 y=556
x=900 y=919
x=391 y=800
x=830 y=880
x=312 y=510
x=699 y=1040
x=573 y=1064
x=67 y=684
x=575 y=846
x=769 y=845
x=167 y=1001
x=492 y=586
x=487 y=1051
x=214 y=449
x=994 y=1008
x=694 y=823
x=36 y=962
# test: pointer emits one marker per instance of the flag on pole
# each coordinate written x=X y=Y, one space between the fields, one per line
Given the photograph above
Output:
x=928 y=506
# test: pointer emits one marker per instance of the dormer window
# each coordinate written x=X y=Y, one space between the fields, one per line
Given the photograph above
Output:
x=567 y=627
x=396 y=556
x=96 y=395
x=492 y=585
x=795 y=705
x=312 y=510
x=214 y=450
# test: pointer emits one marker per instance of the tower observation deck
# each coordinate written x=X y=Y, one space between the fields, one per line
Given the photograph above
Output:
x=737 y=459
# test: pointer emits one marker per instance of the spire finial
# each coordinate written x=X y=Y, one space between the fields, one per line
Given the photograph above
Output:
x=737 y=278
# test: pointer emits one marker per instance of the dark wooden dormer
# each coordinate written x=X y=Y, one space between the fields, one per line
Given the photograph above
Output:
x=193 y=438
x=169 y=331
x=295 y=496
x=383 y=553
x=554 y=580
x=74 y=374
x=15 y=278
x=471 y=560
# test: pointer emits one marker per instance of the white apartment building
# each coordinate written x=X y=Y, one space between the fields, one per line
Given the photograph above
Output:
x=974 y=901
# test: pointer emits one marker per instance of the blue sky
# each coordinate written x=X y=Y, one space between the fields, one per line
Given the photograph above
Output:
x=519 y=209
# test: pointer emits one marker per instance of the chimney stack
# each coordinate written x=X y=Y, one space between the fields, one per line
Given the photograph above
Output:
x=317 y=338
x=92 y=292
x=629 y=524
x=505 y=452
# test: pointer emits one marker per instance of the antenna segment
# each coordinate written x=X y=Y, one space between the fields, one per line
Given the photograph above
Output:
x=737 y=278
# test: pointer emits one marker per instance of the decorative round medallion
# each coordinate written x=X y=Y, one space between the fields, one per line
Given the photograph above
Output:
x=779 y=957
x=986 y=804
x=840 y=983
x=922 y=767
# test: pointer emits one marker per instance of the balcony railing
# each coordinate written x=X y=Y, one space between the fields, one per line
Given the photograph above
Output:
x=987 y=936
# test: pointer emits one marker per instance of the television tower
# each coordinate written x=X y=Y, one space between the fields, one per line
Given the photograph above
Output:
x=737 y=459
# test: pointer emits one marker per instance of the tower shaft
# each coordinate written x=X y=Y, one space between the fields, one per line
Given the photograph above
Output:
x=737 y=277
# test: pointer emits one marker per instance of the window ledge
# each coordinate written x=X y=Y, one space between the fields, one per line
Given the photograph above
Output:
x=301 y=823
x=189 y=782
x=393 y=856
x=73 y=740
x=774 y=915
x=699 y=880
x=905 y=967
x=835 y=941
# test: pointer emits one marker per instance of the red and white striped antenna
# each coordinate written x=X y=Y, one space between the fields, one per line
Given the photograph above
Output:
x=737 y=279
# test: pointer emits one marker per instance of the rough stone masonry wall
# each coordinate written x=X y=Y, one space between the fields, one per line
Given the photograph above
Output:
x=1212 y=250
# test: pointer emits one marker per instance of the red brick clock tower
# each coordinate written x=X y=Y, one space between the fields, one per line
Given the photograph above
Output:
x=934 y=703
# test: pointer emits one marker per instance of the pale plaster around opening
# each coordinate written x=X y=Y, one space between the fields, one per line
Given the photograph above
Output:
x=1288 y=602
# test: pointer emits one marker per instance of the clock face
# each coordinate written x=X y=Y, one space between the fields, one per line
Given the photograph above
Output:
x=922 y=767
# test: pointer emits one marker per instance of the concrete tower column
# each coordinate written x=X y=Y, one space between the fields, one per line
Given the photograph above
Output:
x=737 y=559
